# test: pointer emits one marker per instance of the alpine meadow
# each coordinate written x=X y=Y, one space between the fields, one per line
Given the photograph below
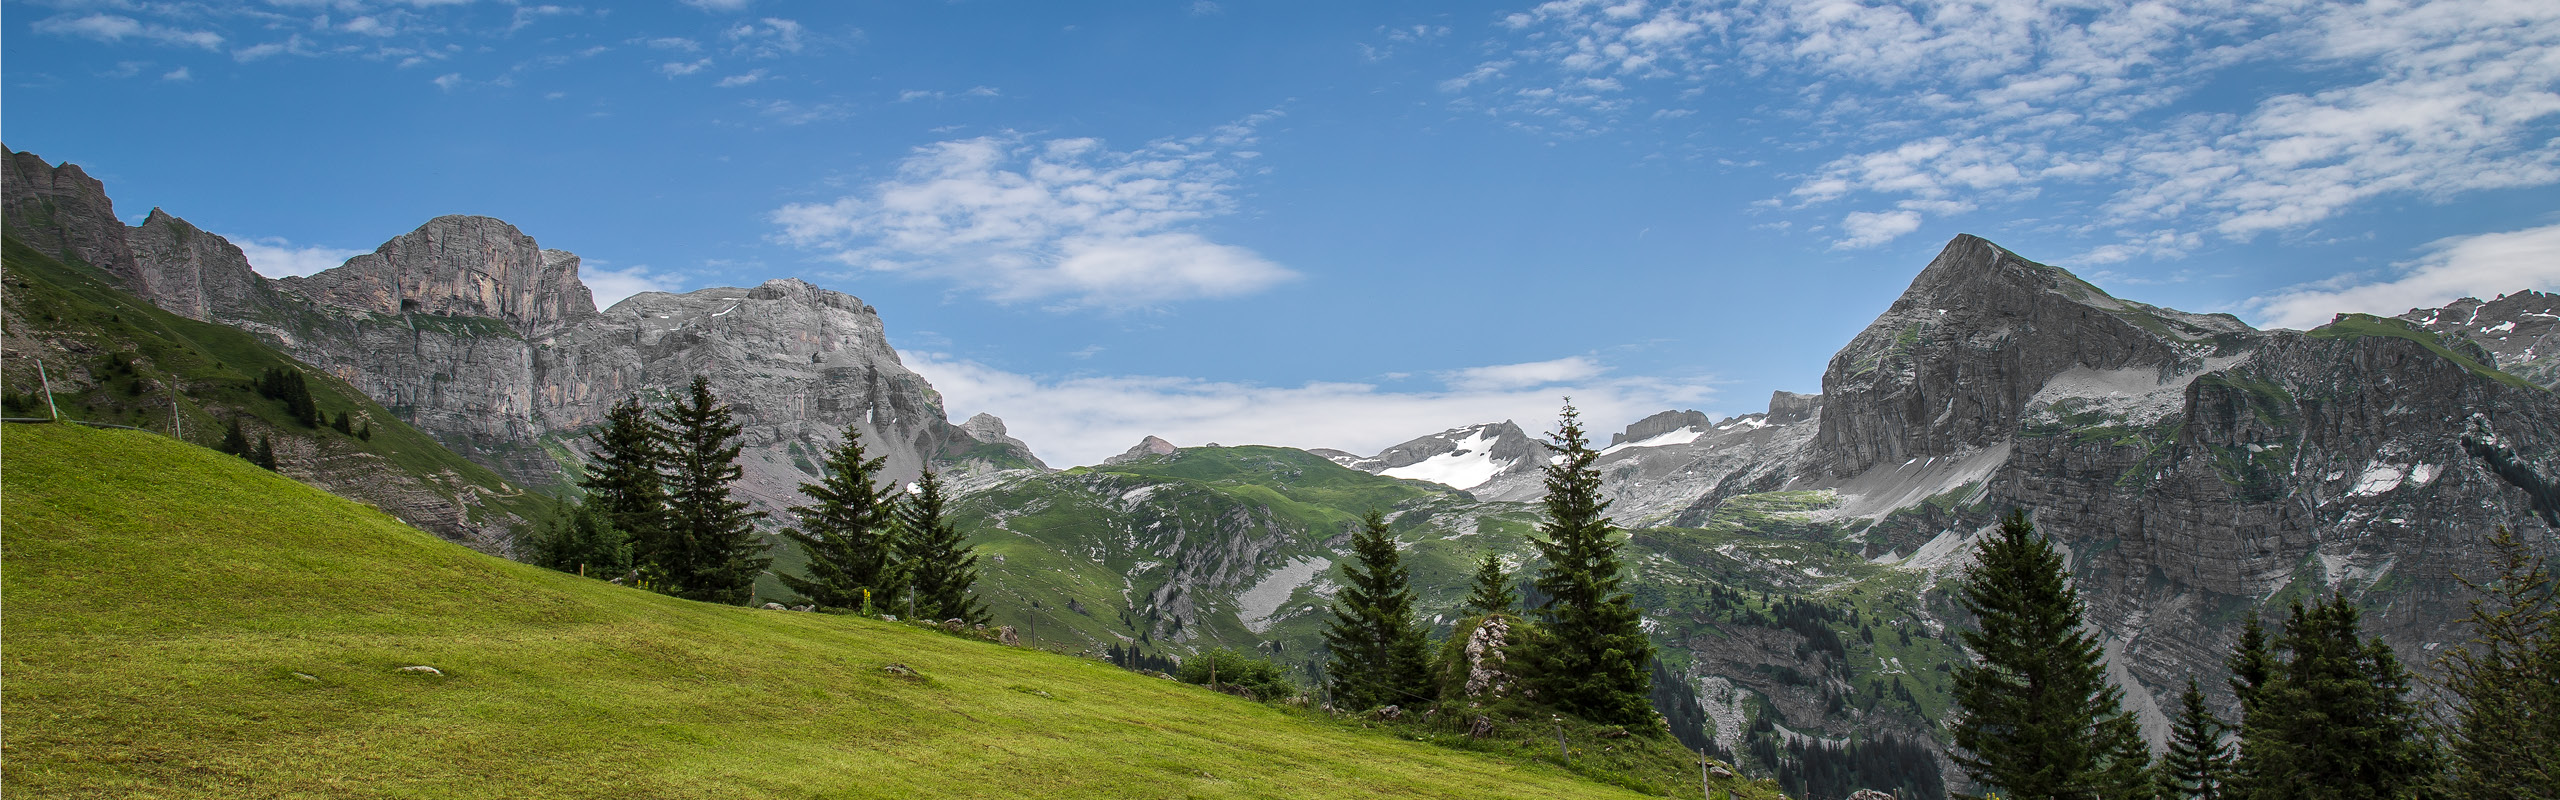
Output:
x=1221 y=398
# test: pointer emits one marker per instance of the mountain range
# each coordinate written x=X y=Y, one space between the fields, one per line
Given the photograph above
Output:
x=1795 y=564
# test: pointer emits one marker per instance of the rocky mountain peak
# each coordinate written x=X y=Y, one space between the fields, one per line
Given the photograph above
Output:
x=459 y=266
x=1659 y=424
x=2520 y=331
x=1149 y=447
x=193 y=272
x=1463 y=457
x=65 y=213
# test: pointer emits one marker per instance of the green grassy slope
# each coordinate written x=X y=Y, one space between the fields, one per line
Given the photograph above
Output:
x=180 y=624
x=76 y=318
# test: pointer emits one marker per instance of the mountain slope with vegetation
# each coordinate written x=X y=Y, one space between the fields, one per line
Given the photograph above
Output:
x=184 y=624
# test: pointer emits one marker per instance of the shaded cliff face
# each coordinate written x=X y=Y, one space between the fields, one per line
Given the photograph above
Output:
x=191 y=272
x=64 y=213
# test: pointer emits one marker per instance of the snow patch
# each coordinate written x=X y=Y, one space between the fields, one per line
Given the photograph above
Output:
x=1681 y=436
x=2379 y=477
x=1467 y=467
x=1254 y=606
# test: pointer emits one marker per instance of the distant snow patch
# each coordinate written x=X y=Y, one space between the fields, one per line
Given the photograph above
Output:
x=1467 y=467
x=1681 y=436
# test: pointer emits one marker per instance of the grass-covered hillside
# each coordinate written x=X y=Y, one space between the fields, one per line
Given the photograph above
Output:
x=114 y=358
x=181 y=624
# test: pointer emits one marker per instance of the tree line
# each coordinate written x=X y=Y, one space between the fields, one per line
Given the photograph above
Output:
x=1577 y=651
x=659 y=512
x=2324 y=711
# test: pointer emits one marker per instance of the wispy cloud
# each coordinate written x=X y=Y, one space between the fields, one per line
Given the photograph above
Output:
x=674 y=69
x=1951 y=105
x=1067 y=220
x=113 y=28
x=742 y=79
x=719 y=6
x=770 y=37
x=180 y=74
x=276 y=257
x=1082 y=420
x=2483 y=266
x=913 y=95
x=611 y=286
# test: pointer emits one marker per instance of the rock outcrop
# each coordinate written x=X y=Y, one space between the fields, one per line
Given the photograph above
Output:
x=1149 y=447
x=191 y=272
x=2520 y=333
x=65 y=213
x=458 y=266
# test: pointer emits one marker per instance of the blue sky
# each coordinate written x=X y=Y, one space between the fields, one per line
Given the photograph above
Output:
x=1346 y=223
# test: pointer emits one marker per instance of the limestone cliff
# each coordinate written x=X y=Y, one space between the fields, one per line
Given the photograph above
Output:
x=63 y=212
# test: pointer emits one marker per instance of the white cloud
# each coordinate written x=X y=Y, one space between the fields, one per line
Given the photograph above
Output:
x=678 y=68
x=718 y=5
x=912 y=95
x=1992 y=101
x=771 y=37
x=1083 y=420
x=275 y=257
x=179 y=74
x=1070 y=219
x=749 y=77
x=1869 y=228
x=790 y=113
x=1523 y=376
x=2484 y=265
x=610 y=286
x=676 y=43
x=112 y=28
x=448 y=80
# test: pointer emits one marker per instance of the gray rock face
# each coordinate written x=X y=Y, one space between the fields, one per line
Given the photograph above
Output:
x=2520 y=331
x=458 y=266
x=1149 y=447
x=65 y=213
x=1659 y=424
x=192 y=272
x=1492 y=461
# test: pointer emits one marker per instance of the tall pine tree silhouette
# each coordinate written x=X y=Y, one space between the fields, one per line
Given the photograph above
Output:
x=1378 y=655
x=713 y=552
x=2333 y=718
x=1492 y=592
x=2038 y=719
x=2198 y=762
x=2505 y=742
x=1592 y=661
x=849 y=530
x=623 y=481
x=940 y=565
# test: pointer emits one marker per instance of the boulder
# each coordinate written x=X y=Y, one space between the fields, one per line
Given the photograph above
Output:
x=423 y=670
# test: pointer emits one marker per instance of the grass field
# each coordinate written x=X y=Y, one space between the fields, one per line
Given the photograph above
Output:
x=181 y=624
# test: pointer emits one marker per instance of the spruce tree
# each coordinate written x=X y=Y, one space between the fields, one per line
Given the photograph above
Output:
x=2198 y=762
x=582 y=540
x=1492 y=592
x=940 y=566
x=2504 y=743
x=265 y=454
x=2333 y=719
x=235 y=441
x=713 y=553
x=622 y=480
x=849 y=530
x=2038 y=719
x=1592 y=661
x=1378 y=656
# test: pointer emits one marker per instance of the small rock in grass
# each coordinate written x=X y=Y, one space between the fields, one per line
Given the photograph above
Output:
x=1006 y=635
x=307 y=677
x=804 y=608
x=423 y=670
x=953 y=625
x=774 y=607
x=898 y=669
x=1389 y=712
x=1720 y=773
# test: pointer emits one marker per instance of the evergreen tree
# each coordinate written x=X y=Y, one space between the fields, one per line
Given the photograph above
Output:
x=622 y=480
x=940 y=565
x=712 y=551
x=366 y=432
x=1592 y=660
x=849 y=530
x=1378 y=655
x=2198 y=762
x=2039 y=720
x=2505 y=742
x=343 y=424
x=1492 y=590
x=582 y=540
x=2333 y=719
x=265 y=455
x=235 y=441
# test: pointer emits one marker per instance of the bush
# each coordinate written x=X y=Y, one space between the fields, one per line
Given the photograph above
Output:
x=1266 y=680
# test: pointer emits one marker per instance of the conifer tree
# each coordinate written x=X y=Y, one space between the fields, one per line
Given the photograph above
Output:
x=2198 y=762
x=849 y=530
x=713 y=553
x=2333 y=719
x=1592 y=661
x=265 y=455
x=343 y=424
x=235 y=441
x=2504 y=743
x=366 y=432
x=582 y=540
x=940 y=565
x=622 y=480
x=1378 y=656
x=2038 y=719
x=1492 y=590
